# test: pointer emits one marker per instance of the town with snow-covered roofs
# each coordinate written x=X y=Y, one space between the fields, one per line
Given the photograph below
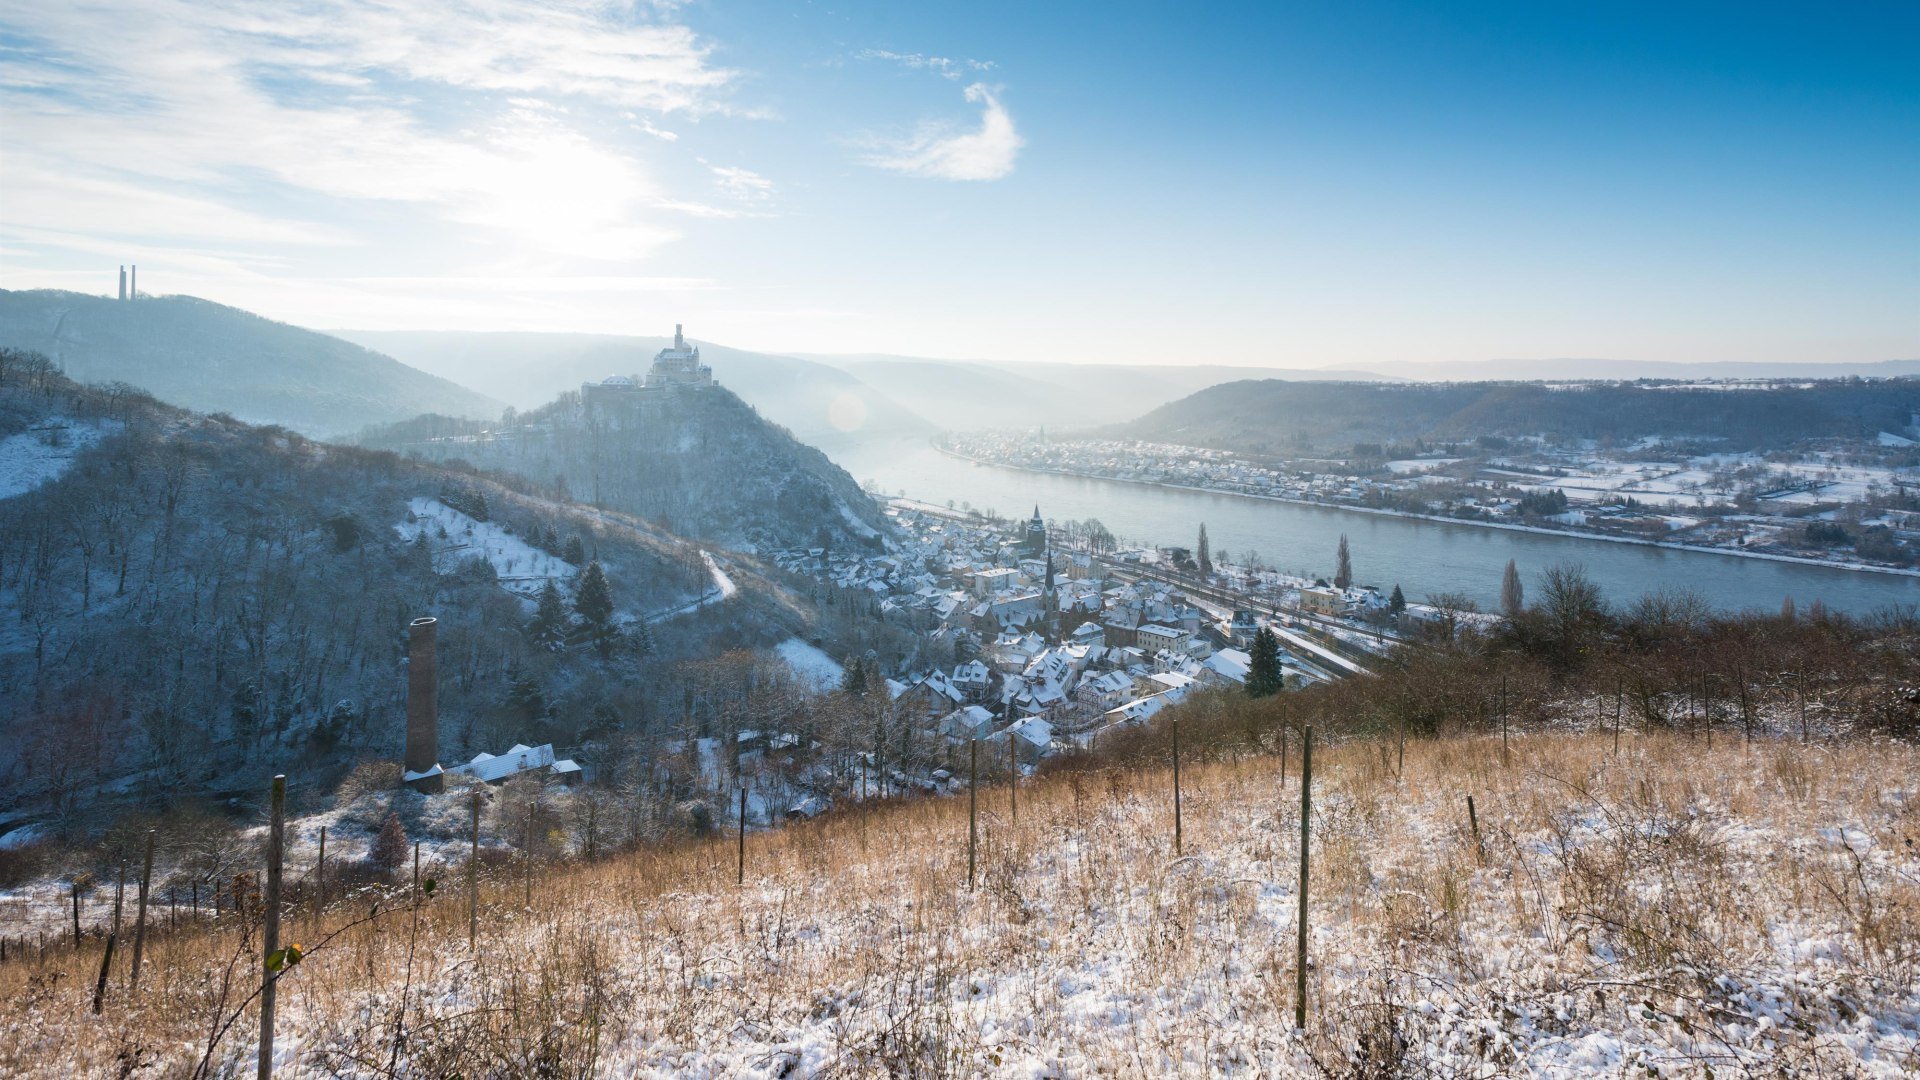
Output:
x=1050 y=646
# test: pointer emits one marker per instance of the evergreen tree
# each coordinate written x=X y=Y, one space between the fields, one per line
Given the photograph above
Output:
x=854 y=679
x=549 y=625
x=1343 y=565
x=1263 y=672
x=1513 y=595
x=524 y=697
x=420 y=554
x=576 y=552
x=389 y=848
x=1397 y=603
x=593 y=599
x=642 y=639
x=1201 y=551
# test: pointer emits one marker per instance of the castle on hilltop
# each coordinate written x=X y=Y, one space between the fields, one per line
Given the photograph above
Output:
x=677 y=367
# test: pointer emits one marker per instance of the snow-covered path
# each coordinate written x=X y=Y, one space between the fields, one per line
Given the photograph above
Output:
x=723 y=589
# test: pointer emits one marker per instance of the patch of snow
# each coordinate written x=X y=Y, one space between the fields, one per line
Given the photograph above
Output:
x=41 y=454
x=813 y=666
x=21 y=837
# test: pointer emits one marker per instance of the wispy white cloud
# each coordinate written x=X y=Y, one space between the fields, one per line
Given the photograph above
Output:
x=940 y=152
x=741 y=183
x=226 y=122
x=946 y=67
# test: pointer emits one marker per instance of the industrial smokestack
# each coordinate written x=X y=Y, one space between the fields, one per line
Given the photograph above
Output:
x=133 y=284
x=423 y=706
x=123 y=281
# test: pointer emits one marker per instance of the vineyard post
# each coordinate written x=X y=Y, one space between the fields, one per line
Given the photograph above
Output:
x=473 y=876
x=1306 y=832
x=140 y=918
x=973 y=806
x=270 y=933
x=1175 y=725
x=1013 y=779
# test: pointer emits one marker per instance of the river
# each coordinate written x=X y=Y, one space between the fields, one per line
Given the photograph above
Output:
x=1423 y=557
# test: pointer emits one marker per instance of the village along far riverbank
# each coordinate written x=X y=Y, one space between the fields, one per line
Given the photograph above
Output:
x=1425 y=555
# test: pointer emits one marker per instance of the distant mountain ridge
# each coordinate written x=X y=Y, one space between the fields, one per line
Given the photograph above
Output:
x=819 y=403
x=976 y=394
x=1583 y=369
x=1275 y=417
x=212 y=358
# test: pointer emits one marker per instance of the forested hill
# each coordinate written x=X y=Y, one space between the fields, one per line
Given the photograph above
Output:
x=188 y=603
x=1273 y=416
x=212 y=358
x=700 y=462
x=819 y=403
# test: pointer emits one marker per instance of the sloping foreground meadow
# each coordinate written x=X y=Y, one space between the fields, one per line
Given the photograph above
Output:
x=1663 y=909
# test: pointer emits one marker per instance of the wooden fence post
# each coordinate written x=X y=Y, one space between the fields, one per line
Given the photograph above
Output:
x=119 y=894
x=270 y=934
x=473 y=876
x=973 y=805
x=320 y=889
x=1473 y=822
x=76 y=911
x=741 y=877
x=140 y=917
x=1175 y=725
x=1306 y=833
x=528 y=861
x=1802 y=688
x=1505 y=757
x=1013 y=779
x=100 y=984
x=1619 y=698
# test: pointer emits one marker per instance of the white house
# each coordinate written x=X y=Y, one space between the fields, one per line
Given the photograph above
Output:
x=494 y=768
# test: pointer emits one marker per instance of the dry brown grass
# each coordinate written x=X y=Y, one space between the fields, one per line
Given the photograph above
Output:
x=1669 y=909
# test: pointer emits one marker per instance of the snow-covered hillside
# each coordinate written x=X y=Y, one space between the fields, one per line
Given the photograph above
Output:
x=455 y=537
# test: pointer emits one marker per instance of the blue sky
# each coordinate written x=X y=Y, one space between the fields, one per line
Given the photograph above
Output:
x=1303 y=185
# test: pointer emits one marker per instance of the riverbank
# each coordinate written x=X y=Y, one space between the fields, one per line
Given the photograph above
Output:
x=1766 y=556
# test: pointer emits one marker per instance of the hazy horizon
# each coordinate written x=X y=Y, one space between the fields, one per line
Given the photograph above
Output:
x=1373 y=185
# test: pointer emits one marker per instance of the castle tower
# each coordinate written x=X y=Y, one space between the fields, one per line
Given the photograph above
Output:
x=679 y=339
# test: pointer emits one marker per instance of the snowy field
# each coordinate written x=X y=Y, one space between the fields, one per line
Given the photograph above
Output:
x=34 y=457
x=1693 y=482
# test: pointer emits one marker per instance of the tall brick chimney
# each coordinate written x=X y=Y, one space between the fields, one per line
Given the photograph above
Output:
x=423 y=706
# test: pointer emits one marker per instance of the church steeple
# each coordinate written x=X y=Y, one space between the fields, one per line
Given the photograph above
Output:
x=1035 y=541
